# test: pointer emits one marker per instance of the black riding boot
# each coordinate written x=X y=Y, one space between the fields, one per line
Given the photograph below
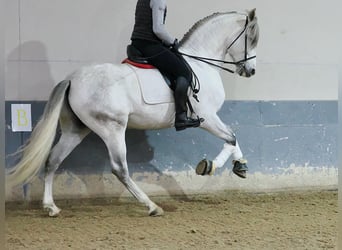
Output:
x=181 y=96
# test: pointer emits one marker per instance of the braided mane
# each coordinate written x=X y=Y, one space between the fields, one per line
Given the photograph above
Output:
x=201 y=22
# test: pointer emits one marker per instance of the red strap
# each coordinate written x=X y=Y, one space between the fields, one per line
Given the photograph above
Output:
x=139 y=65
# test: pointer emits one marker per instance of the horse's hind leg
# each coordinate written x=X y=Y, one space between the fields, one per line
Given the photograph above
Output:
x=113 y=134
x=73 y=132
x=231 y=148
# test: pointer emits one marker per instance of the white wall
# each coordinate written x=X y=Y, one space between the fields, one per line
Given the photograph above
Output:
x=297 y=53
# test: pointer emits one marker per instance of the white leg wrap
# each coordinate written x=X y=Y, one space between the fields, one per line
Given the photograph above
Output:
x=237 y=154
x=227 y=151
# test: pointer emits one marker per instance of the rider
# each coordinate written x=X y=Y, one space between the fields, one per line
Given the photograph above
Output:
x=158 y=46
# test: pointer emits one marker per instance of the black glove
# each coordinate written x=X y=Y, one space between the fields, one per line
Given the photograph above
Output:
x=175 y=46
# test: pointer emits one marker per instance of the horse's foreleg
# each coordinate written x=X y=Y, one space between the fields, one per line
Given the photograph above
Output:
x=228 y=151
x=117 y=151
x=61 y=150
x=231 y=148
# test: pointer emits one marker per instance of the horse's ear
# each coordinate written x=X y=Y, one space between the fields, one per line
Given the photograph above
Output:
x=251 y=14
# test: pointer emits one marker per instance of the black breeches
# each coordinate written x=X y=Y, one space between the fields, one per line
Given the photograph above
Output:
x=163 y=59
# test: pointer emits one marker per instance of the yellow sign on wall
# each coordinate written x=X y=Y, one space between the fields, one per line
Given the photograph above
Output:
x=21 y=117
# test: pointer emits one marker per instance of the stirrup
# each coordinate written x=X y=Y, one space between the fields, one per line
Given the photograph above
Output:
x=240 y=168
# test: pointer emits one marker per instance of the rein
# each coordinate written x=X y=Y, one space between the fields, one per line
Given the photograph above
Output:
x=210 y=60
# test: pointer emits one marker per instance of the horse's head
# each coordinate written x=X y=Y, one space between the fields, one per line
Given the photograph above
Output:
x=243 y=48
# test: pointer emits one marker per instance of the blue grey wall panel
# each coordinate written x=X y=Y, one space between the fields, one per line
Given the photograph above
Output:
x=272 y=135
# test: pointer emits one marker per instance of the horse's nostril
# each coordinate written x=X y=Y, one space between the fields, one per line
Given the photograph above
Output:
x=252 y=71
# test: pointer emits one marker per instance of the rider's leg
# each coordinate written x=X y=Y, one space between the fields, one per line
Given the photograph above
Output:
x=162 y=57
x=182 y=121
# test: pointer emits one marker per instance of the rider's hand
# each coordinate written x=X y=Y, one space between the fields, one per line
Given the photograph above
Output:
x=175 y=46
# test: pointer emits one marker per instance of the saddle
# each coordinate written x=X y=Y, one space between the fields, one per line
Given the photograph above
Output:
x=135 y=58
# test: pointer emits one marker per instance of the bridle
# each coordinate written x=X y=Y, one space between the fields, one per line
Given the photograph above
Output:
x=211 y=60
x=195 y=85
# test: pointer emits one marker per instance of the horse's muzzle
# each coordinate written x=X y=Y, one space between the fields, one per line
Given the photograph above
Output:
x=250 y=73
x=246 y=72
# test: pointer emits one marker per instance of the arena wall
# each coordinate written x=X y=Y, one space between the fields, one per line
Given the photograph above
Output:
x=285 y=117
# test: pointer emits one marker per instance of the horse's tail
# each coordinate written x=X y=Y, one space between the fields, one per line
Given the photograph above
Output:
x=37 y=149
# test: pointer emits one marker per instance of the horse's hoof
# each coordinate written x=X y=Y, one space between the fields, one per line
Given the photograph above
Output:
x=205 y=167
x=240 y=168
x=158 y=211
x=52 y=209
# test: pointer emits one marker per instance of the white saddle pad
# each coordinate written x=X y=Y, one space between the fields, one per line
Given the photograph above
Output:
x=153 y=87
